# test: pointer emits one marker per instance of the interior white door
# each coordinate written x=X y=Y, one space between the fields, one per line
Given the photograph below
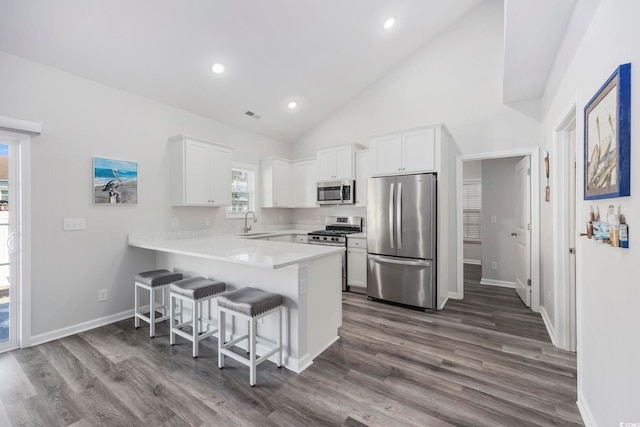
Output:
x=522 y=232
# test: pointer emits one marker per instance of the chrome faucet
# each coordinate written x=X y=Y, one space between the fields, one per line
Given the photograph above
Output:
x=247 y=228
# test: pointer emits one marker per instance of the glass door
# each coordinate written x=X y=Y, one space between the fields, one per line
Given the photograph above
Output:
x=8 y=291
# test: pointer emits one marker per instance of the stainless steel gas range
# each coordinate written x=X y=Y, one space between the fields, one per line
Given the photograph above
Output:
x=335 y=234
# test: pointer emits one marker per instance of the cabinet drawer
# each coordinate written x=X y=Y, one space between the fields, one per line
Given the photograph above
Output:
x=356 y=243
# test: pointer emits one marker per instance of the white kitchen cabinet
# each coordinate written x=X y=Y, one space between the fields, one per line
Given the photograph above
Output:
x=362 y=175
x=275 y=182
x=304 y=174
x=200 y=172
x=404 y=152
x=335 y=162
x=357 y=264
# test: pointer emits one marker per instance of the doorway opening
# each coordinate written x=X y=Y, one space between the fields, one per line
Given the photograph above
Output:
x=6 y=229
x=496 y=226
x=15 y=314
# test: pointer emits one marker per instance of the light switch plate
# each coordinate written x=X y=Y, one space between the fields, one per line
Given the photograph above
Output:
x=494 y=219
x=74 y=224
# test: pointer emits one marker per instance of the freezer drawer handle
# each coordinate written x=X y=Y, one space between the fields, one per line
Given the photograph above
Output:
x=391 y=186
x=400 y=262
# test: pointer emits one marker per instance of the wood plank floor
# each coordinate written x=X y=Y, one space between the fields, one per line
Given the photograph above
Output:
x=484 y=361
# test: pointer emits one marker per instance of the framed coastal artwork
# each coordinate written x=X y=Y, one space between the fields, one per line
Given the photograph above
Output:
x=607 y=138
x=115 y=182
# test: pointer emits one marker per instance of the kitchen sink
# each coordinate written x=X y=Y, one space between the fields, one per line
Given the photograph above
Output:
x=253 y=233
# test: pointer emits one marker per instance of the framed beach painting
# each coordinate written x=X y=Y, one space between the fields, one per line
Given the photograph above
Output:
x=115 y=182
x=607 y=138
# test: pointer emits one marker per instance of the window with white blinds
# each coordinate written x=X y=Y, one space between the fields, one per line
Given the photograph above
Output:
x=472 y=210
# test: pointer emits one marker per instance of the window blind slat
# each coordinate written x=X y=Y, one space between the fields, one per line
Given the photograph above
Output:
x=472 y=210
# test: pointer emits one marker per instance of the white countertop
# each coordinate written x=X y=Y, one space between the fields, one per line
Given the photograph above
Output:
x=357 y=236
x=234 y=249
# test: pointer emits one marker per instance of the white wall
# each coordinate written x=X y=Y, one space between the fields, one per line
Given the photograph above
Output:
x=498 y=199
x=607 y=284
x=84 y=119
x=455 y=79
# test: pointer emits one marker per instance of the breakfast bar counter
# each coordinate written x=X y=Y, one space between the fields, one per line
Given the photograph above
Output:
x=308 y=277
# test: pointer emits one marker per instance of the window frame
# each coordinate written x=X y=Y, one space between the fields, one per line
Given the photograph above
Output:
x=253 y=194
x=476 y=182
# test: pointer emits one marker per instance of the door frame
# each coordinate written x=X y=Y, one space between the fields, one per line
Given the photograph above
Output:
x=534 y=155
x=21 y=131
x=561 y=228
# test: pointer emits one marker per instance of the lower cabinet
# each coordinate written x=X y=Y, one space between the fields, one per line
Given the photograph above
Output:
x=357 y=264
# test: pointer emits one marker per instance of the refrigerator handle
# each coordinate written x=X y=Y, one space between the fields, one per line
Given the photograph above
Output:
x=399 y=215
x=399 y=261
x=391 y=239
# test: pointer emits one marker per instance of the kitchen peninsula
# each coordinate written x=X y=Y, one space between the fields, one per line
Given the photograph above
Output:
x=308 y=277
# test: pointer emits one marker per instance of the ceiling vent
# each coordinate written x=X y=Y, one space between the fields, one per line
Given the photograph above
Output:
x=252 y=114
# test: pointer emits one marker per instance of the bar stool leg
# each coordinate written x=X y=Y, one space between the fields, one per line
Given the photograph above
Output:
x=222 y=337
x=181 y=318
x=165 y=299
x=152 y=313
x=136 y=307
x=279 y=360
x=172 y=316
x=195 y=326
x=252 y=352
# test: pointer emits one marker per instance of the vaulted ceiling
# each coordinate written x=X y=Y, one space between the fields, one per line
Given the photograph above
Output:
x=319 y=54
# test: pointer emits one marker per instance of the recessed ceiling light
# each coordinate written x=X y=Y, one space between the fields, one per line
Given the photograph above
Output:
x=217 y=68
x=292 y=105
x=389 y=23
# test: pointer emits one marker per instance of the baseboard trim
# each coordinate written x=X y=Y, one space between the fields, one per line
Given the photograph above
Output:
x=472 y=261
x=453 y=295
x=547 y=323
x=500 y=283
x=441 y=306
x=80 y=327
x=585 y=412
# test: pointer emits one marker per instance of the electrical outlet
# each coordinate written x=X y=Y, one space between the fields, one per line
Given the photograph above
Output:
x=74 y=224
x=303 y=286
x=208 y=220
x=494 y=219
x=174 y=222
x=494 y=265
x=103 y=295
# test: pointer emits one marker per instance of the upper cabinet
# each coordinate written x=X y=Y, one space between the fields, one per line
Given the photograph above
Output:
x=288 y=184
x=200 y=172
x=362 y=175
x=275 y=182
x=404 y=152
x=305 y=177
x=335 y=162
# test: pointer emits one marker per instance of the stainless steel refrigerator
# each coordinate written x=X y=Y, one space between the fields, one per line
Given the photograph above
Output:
x=401 y=239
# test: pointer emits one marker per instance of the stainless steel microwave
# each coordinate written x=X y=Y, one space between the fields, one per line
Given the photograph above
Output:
x=337 y=192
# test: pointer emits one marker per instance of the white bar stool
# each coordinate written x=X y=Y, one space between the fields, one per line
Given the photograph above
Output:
x=153 y=281
x=195 y=291
x=248 y=304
